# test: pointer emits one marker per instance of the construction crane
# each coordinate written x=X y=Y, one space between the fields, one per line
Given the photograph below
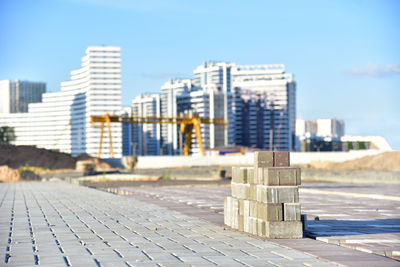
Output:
x=187 y=124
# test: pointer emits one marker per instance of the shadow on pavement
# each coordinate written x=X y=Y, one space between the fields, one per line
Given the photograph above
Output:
x=316 y=228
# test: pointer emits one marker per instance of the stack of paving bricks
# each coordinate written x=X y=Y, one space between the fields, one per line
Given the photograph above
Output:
x=265 y=198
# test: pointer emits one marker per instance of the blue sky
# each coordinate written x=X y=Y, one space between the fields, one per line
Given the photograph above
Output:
x=345 y=55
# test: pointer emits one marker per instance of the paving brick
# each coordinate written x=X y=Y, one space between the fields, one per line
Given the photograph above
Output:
x=291 y=212
x=115 y=232
x=221 y=260
x=250 y=175
x=254 y=226
x=241 y=223
x=196 y=260
x=289 y=176
x=253 y=209
x=277 y=194
x=268 y=176
x=284 y=229
x=269 y=211
x=240 y=191
x=267 y=194
x=288 y=194
x=263 y=159
x=239 y=175
x=79 y=261
x=163 y=256
x=143 y=264
x=281 y=159
x=286 y=176
x=241 y=206
x=235 y=213
x=261 y=227
x=253 y=192
x=246 y=215
x=227 y=211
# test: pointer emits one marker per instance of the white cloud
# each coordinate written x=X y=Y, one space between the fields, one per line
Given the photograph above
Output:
x=375 y=70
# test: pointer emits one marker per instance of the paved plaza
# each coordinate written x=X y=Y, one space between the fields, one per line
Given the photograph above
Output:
x=361 y=217
x=59 y=224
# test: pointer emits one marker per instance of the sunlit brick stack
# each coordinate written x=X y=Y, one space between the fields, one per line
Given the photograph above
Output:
x=265 y=198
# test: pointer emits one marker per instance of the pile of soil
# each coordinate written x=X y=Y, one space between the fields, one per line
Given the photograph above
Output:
x=18 y=156
x=9 y=175
x=30 y=160
x=387 y=161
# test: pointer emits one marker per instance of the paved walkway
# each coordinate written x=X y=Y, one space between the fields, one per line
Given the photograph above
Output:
x=58 y=224
x=362 y=217
x=366 y=223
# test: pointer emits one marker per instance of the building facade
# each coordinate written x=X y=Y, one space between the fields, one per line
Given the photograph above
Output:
x=62 y=120
x=319 y=135
x=146 y=137
x=170 y=91
x=263 y=107
x=15 y=96
x=216 y=76
x=205 y=103
x=332 y=128
x=257 y=101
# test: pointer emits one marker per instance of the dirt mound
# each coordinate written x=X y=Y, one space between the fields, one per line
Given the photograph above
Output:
x=9 y=175
x=22 y=156
x=27 y=162
x=387 y=161
x=17 y=156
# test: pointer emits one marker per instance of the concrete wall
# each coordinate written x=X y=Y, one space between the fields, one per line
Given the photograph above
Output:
x=295 y=158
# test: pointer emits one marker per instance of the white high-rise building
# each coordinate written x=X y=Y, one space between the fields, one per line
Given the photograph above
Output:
x=170 y=91
x=205 y=103
x=62 y=120
x=15 y=96
x=263 y=107
x=147 y=136
x=331 y=128
x=217 y=76
x=319 y=135
x=260 y=98
x=257 y=101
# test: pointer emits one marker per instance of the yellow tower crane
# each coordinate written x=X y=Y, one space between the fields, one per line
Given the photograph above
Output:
x=187 y=123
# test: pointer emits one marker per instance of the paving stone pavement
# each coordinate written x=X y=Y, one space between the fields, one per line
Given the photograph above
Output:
x=58 y=224
x=368 y=225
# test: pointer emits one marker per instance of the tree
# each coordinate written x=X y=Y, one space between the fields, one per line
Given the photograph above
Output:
x=7 y=135
x=361 y=145
x=349 y=145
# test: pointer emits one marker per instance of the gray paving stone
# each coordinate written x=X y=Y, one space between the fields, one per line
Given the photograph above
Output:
x=143 y=264
x=68 y=221
x=50 y=259
x=223 y=261
x=255 y=262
